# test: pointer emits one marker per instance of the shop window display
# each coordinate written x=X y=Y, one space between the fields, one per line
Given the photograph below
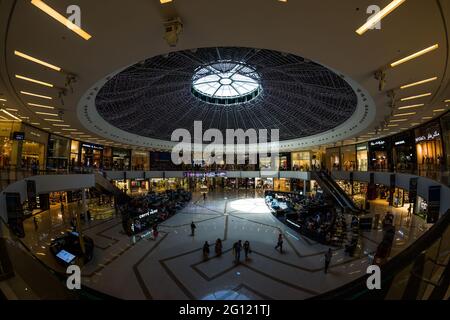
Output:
x=58 y=153
x=429 y=147
x=348 y=158
x=445 y=124
x=301 y=161
x=5 y=152
x=362 y=157
x=333 y=159
x=33 y=155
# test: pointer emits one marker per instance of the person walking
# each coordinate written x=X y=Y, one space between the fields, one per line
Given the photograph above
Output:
x=193 y=226
x=409 y=210
x=206 y=250
x=155 y=231
x=218 y=247
x=328 y=256
x=247 y=249
x=204 y=196
x=237 y=247
x=35 y=223
x=280 y=243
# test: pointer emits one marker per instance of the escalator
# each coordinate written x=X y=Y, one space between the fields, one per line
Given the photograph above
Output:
x=330 y=186
x=103 y=184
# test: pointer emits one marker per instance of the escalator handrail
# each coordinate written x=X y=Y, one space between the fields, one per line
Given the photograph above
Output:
x=340 y=196
x=349 y=201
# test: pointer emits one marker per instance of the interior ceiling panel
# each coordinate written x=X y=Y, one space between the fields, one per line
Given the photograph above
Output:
x=299 y=97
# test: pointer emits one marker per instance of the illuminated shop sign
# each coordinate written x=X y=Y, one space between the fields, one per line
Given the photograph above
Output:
x=429 y=136
x=361 y=148
x=378 y=143
x=400 y=142
x=147 y=214
x=92 y=146
x=202 y=175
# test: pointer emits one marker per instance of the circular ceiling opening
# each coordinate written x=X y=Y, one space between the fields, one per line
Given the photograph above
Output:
x=226 y=88
x=226 y=82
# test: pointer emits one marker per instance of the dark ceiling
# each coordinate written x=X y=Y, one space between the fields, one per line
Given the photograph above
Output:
x=299 y=97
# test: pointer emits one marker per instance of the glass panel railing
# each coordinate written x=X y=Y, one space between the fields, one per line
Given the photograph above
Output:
x=33 y=279
x=419 y=272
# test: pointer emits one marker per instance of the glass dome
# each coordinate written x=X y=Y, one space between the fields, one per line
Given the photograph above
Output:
x=226 y=82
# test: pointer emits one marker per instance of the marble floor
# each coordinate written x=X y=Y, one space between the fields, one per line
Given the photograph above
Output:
x=172 y=266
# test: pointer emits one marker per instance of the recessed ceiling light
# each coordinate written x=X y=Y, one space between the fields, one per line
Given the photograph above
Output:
x=40 y=105
x=1 y=99
x=414 y=55
x=10 y=109
x=165 y=1
x=392 y=125
x=404 y=114
x=57 y=132
x=411 y=106
x=36 y=95
x=46 y=128
x=417 y=96
x=61 y=125
x=60 y=18
x=54 y=120
x=10 y=114
x=448 y=100
x=34 y=81
x=380 y=15
x=69 y=129
x=426 y=118
x=438 y=110
x=398 y=120
x=417 y=83
x=36 y=123
x=47 y=113
x=32 y=59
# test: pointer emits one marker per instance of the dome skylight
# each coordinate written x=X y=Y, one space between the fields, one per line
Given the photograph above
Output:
x=226 y=82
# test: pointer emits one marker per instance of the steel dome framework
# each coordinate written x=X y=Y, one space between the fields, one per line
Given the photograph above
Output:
x=154 y=97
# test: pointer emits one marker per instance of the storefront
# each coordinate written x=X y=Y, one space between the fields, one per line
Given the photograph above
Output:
x=160 y=184
x=362 y=157
x=265 y=163
x=139 y=186
x=358 y=192
x=379 y=155
x=58 y=153
x=401 y=197
x=348 y=158
x=121 y=159
x=332 y=156
x=301 y=161
x=91 y=155
x=403 y=153
x=74 y=154
x=33 y=148
x=264 y=183
x=9 y=143
x=285 y=161
x=316 y=159
x=140 y=160
x=445 y=125
x=429 y=146
x=282 y=184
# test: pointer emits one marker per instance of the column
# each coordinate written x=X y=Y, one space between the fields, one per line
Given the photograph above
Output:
x=84 y=204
